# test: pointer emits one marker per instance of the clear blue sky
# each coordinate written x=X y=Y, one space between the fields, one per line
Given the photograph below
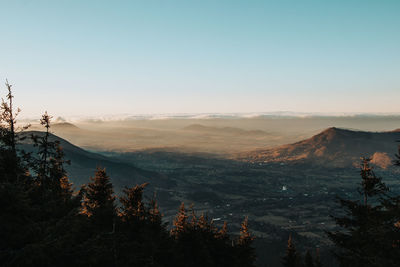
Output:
x=110 y=57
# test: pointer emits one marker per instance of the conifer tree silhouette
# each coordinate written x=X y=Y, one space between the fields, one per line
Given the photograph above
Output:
x=371 y=185
x=291 y=259
x=357 y=243
x=11 y=166
x=154 y=212
x=43 y=223
x=133 y=208
x=98 y=200
x=245 y=238
x=246 y=253
x=180 y=222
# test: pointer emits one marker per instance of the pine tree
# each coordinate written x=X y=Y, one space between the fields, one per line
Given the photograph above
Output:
x=387 y=235
x=199 y=243
x=18 y=229
x=357 y=243
x=52 y=189
x=59 y=181
x=9 y=117
x=133 y=208
x=204 y=224
x=44 y=146
x=245 y=238
x=246 y=253
x=143 y=239
x=371 y=185
x=223 y=232
x=12 y=168
x=154 y=212
x=180 y=223
x=291 y=258
x=98 y=222
x=98 y=200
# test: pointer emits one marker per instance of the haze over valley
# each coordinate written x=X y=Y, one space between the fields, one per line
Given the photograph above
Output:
x=220 y=135
x=282 y=172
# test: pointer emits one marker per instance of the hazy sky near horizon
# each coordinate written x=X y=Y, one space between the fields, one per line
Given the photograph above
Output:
x=111 y=57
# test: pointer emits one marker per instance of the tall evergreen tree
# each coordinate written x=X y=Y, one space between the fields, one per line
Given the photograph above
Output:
x=132 y=206
x=98 y=223
x=8 y=116
x=98 y=200
x=371 y=185
x=246 y=253
x=45 y=146
x=17 y=228
x=154 y=212
x=357 y=243
x=245 y=238
x=291 y=259
x=180 y=222
x=52 y=192
x=58 y=175
x=143 y=239
x=11 y=167
x=46 y=151
x=223 y=232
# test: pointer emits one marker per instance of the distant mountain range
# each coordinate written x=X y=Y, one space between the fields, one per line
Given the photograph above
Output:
x=84 y=163
x=64 y=126
x=202 y=116
x=333 y=147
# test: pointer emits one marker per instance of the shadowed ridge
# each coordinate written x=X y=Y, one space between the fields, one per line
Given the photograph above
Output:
x=333 y=147
x=83 y=164
x=64 y=126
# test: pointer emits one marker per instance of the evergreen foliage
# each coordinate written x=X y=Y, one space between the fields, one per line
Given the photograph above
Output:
x=369 y=235
x=98 y=201
x=43 y=222
x=292 y=257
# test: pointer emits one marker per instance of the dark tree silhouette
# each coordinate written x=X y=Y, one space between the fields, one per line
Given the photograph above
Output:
x=98 y=200
x=180 y=222
x=11 y=166
x=371 y=185
x=133 y=208
x=142 y=237
x=308 y=260
x=317 y=259
x=245 y=250
x=44 y=223
x=361 y=240
x=292 y=258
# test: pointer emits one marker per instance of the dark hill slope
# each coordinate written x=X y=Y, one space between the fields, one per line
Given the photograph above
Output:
x=333 y=147
x=84 y=163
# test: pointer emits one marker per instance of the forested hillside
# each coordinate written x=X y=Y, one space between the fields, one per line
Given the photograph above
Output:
x=44 y=222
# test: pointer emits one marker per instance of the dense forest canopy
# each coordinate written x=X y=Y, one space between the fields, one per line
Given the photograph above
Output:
x=45 y=222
